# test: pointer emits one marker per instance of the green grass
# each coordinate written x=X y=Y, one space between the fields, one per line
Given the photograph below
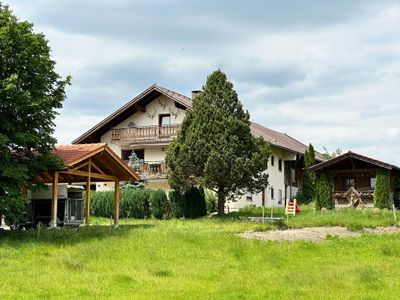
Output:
x=193 y=259
x=308 y=217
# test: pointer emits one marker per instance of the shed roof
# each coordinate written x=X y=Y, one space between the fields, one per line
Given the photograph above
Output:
x=98 y=159
x=352 y=155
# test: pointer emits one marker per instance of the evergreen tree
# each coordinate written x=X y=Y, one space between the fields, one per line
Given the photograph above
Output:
x=382 y=189
x=309 y=178
x=323 y=193
x=215 y=147
x=30 y=93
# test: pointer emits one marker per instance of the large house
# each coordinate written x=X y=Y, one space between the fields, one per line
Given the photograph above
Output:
x=148 y=123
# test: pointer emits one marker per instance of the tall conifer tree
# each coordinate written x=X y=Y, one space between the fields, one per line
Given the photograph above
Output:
x=215 y=147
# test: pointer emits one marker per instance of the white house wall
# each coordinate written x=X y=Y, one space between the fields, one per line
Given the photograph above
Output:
x=276 y=180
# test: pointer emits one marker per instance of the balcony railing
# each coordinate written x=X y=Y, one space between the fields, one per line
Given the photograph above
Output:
x=145 y=133
x=152 y=169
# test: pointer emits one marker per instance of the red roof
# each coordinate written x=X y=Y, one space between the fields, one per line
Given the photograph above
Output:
x=71 y=153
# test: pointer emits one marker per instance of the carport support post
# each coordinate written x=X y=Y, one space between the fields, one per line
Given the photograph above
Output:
x=87 y=206
x=116 y=203
x=54 y=200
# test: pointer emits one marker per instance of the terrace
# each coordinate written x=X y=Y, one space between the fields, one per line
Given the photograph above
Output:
x=145 y=134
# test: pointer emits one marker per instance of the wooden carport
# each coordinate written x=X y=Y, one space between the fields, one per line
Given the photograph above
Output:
x=87 y=163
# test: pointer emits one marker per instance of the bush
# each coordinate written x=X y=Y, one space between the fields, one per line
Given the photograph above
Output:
x=191 y=204
x=382 y=189
x=195 y=204
x=177 y=203
x=160 y=207
x=135 y=203
x=323 y=193
x=309 y=186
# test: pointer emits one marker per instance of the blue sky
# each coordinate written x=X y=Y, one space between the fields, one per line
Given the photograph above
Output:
x=325 y=72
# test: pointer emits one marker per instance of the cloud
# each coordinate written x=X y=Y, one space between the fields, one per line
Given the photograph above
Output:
x=325 y=72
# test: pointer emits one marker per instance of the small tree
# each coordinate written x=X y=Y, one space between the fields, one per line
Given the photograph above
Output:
x=309 y=178
x=323 y=192
x=215 y=147
x=382 y=188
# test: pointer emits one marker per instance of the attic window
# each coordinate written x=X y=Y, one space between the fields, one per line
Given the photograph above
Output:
x=131 y=125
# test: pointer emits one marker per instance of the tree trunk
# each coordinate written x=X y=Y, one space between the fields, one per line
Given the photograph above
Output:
x=221 y=203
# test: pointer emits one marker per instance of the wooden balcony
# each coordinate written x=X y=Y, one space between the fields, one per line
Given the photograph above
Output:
x=153 y=169
x=150 y=134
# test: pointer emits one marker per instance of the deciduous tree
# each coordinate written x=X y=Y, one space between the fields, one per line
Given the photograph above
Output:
x=30 y=94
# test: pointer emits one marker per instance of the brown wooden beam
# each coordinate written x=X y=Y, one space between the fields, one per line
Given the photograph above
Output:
x=351 y=171
x=97 y=168
x=87 y=174
x=54 y=201
x=87 y=206
x=116 y=203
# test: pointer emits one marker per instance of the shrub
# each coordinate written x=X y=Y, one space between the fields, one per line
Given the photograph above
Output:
x=195 y=204
x=160 y=207
x=382 y=189
x=323 y=193
x=101 y=203
x=177 y=201
x=135 y=203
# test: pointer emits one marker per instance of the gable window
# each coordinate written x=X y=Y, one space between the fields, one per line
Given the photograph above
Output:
x=349 y=182
x=372 y=183
x=164 y=120
x=280 y=164
x=272 y=160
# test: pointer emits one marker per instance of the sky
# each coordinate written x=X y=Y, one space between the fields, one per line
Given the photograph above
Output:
x=325 y=72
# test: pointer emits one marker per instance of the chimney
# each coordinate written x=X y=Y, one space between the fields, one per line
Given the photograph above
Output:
x=195 y=93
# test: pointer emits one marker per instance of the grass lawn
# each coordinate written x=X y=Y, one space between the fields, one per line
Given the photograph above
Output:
x=199 y=259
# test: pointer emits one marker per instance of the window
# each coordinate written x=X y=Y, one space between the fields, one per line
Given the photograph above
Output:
x=372 y=181
x=164 y=120
x=272 y=160
x=349 y=182
x=280 y=164
x=293 y=176
x=279 y=196
x=272 y=193
x=249 y=197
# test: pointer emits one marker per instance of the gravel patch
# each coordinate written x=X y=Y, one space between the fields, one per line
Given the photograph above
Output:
x=314 y=234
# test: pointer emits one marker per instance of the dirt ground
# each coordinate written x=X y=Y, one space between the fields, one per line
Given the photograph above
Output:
x=314 y=234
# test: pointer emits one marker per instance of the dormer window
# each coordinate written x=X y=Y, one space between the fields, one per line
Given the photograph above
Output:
x=164 y=120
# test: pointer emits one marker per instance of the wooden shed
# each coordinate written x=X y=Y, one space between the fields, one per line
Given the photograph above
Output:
x=87 y=163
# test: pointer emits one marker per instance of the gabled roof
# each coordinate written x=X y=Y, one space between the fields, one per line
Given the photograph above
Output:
x=277 y=139
x=99 y=154
x=356 y=156
x=136 y=104
x=281 y=140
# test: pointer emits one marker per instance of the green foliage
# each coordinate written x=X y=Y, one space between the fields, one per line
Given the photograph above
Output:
x=195 y=204
x=134 y=203
x=134 y=164
x=177 y=200
x=211 y=200
x=382 y=189
x=15 y=209
x=215 y=147
x=30 y=92
x=396 y=196
x=329 y=155
x=323 y=193
x=309 y=177
x=190 y=204
x=160 y=206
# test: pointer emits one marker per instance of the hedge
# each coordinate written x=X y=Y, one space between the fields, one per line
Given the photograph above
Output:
x=134 y=203
x=190 y=204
